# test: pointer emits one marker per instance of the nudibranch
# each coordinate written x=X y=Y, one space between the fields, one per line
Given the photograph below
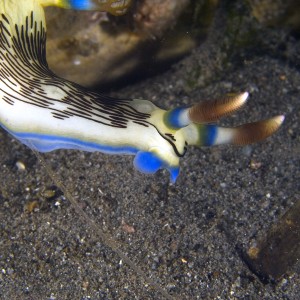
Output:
x=46 y=112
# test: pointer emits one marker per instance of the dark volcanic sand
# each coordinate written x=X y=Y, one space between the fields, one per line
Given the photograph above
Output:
x=184 y=236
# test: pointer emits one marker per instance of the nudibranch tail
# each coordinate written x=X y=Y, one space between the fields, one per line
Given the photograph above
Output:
x=115 y=7
x=47 y=112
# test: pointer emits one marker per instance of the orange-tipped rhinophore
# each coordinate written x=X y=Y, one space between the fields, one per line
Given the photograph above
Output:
x=254 y=132
x=212 y=111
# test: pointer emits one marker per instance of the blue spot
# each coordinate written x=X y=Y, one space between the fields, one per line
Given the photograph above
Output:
x=81 y=4
x=147 y=162
x=172 y=118
x=207 y=134
x=211 y=134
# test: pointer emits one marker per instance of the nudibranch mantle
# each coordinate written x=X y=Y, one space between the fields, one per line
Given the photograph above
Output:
x=47 y=112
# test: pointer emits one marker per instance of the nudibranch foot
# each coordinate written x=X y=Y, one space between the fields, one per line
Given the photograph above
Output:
x=46 y=112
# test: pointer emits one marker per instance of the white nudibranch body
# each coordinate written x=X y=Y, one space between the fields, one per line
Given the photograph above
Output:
x=47 y=112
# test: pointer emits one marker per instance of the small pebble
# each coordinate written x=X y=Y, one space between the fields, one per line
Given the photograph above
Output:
x=20 y=165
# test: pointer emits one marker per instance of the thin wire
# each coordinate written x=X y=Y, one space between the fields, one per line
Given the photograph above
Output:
x=107 y=239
